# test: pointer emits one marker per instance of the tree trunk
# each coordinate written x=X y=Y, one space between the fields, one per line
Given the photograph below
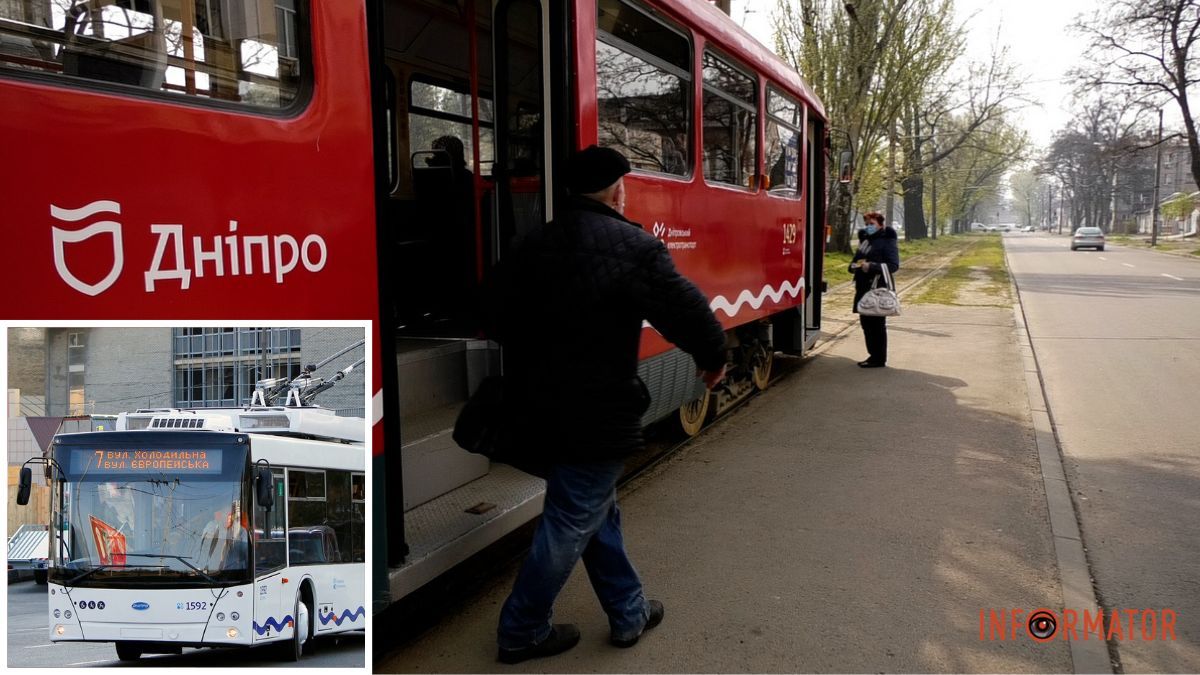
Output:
x=839 y=217
x=914 y=207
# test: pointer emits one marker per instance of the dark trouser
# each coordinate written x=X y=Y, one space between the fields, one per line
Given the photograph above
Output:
x=580 y=519
x=874 y=330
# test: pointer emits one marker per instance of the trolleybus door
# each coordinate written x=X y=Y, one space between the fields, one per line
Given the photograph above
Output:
x=272 y=598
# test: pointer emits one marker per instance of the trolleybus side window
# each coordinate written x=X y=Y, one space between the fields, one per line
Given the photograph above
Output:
x=358 y=518
x=782 y=151
x=270 y=527
x=643 y=88
x=245 y=53
x=325 y=524
x=730 y=126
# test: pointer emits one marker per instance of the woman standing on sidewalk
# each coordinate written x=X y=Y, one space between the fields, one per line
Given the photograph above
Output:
x=876 y=247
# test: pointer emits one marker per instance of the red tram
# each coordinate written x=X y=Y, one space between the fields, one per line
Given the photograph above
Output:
x=293 y=160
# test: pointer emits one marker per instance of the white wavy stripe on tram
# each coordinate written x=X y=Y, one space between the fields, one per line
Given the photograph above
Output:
x=75 y=215
x=721 y=303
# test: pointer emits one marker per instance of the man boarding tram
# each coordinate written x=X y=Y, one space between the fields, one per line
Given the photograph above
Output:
x=576 y=403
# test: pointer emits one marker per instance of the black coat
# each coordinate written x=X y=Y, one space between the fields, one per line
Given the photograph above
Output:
x=877 y=249
x=573 y=296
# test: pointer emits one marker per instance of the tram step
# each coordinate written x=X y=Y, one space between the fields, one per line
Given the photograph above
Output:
x=435 y=376
x=451 y=528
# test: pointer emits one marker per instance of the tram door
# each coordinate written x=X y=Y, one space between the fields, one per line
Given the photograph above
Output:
x=521 y=175
x=814 y=201
x=468 y=152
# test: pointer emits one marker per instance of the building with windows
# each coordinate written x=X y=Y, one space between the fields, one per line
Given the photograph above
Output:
x=60 y=372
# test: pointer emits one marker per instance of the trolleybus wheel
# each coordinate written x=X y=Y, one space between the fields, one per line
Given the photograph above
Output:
x=761 y=359
x=300 y=633
x=128 y=651
x=692 y=415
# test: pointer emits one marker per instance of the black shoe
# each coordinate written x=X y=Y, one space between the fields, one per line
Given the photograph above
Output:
x=562 y=637
x=655 y=617
x=871 y=364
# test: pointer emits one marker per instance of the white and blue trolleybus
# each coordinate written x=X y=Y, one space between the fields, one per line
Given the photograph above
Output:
x=214 y=527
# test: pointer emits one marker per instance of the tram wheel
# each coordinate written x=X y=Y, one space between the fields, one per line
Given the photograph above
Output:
x=692 y=415
x=761 y=360
x=128 y=651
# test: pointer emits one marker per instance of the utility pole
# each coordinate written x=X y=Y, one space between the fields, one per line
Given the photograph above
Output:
x=1157 y=179
x=933 y=142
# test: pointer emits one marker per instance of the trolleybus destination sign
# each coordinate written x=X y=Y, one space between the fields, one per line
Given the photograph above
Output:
x=84 y=461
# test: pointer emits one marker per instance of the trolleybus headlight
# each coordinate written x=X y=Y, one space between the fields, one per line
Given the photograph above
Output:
x=235 y=616
x=57 y=613
x=232 y=633
x=68 y=614
x=220 y=616
x=60 y=629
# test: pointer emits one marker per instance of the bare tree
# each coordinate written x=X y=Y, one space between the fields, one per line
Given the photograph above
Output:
x=842 y=49
x=979 y=101
x=1148 y=46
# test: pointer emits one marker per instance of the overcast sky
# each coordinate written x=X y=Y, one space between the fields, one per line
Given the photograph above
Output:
x=1035 y=32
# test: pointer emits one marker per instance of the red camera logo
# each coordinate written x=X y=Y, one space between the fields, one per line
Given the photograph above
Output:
x=1044 y=625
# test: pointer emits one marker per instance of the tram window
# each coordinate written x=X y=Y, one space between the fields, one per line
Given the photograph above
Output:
x=436 y=111
x=782 y=151
x=730 y=123
x=635 y=27
x=242 y=53
x=643 y=84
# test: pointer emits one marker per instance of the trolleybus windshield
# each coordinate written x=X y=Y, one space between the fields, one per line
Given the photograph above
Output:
x=174 y=514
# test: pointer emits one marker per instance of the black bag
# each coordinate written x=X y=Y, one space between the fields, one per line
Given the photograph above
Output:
x=478 y=427
x=482 y=428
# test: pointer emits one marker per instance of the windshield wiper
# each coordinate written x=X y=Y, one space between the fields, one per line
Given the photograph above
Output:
x=180 y=558
x=86 y=574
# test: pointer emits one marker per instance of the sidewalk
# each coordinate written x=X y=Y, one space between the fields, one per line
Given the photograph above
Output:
x=845 y=520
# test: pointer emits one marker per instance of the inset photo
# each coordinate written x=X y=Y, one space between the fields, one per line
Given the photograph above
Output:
x=187 y=496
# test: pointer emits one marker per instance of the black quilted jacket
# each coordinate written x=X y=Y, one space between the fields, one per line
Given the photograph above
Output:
x=573 y=295
x=877 y=249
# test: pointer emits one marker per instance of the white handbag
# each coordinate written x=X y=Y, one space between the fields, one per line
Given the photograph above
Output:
x=881 y=301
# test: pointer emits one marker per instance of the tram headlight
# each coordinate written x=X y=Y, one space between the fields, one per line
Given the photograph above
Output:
x=235 y=616
x=57 y=613
x=232 y=633
x=220 y=616
x=60 y=629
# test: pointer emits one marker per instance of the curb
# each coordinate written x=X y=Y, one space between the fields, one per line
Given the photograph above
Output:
x=1078 y=592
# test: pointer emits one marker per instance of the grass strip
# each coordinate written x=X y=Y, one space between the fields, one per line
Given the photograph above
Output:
x=836 y=263
x=980 y=267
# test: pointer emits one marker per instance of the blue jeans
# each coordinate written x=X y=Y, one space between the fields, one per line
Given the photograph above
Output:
x=580 y=519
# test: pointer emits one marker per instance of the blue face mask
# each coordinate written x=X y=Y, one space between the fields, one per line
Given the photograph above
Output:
x=872 y=229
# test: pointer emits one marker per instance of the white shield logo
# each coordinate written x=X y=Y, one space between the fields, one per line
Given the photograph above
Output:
x=62 y=237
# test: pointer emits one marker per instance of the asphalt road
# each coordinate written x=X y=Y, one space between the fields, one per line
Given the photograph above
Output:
x=29 y=645
x=1117 y=336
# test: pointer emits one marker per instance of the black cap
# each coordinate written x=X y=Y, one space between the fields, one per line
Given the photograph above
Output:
x=594 y=169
